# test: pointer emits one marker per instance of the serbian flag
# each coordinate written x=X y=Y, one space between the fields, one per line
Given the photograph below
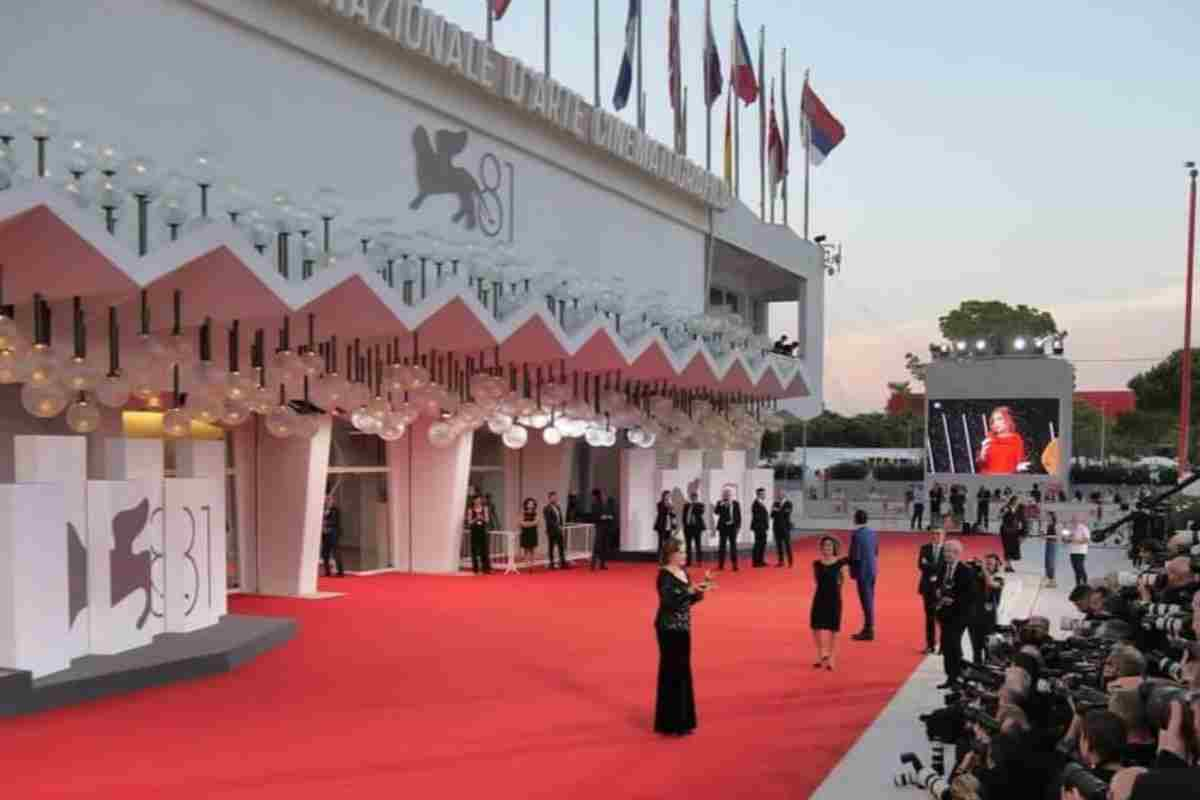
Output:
x=499 y=7
x=823 y=130
x=625 y=76
x=776 y=158
x=713 y=79
x=741 y=76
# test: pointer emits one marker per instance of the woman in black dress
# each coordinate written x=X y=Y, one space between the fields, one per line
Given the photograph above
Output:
x=664 y=519
x=1010 y=533
x=529 y=529
x=477 y=523
x=826 y=616
x=675 y=704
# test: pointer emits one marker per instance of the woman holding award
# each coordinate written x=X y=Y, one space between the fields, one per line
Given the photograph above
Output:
x=1003 y=449
x=675 y=703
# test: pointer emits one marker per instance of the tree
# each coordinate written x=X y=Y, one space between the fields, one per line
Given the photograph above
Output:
x=975 y=319
x=1087 y=431
x=1158 y=388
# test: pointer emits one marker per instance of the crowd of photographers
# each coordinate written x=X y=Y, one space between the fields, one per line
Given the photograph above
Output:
x=1108 y=711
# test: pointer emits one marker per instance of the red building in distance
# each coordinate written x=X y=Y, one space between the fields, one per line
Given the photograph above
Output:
x=1109 y=402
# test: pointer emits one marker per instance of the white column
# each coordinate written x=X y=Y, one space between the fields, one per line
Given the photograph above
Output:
x=63 y=460
x=638 y=468
x=427 y=488
x=291 y=477
x=194 y=536
x=34 y=591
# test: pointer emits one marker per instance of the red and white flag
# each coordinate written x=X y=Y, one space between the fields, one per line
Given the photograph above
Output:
x=499 y=7
x=776 y=157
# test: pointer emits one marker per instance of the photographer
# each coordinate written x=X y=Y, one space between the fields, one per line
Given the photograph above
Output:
x=1141 y=745
x=988 y=591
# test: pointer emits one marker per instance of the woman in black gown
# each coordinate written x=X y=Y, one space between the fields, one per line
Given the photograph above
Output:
x=529 y=529
x=675 y=704
x=664 y=519
x=1010 y=533
x=826 y=616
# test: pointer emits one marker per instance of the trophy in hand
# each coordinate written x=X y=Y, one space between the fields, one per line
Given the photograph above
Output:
x=708 y=582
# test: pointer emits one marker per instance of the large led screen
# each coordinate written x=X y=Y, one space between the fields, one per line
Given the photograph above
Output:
x=993 y=437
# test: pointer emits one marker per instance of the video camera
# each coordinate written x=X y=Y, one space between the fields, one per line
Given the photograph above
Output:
x=1081 y=779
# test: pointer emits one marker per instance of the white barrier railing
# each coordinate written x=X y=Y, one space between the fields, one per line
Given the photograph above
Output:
x=504 y=548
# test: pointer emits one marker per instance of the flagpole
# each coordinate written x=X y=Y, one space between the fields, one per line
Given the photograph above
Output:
x=683 y=123
x=641 y=109
x=596 y=51
x=787 y=150
x=807 y=156
x=547 y=38
x=737 y=111
x=707 y=90
x=762 y=129
x=490 y=14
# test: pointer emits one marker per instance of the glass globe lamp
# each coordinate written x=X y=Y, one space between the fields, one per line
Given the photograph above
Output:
x=393 y=428
x=311 y=363
x=44 y=401
x=44 y=367
x=177 y=423
x=261 y=400
x=234 y=413
x=112 y=391
x=441 y=434
x=515 y=437
x=281 y=422
x=78 y=375
x=551 y=435
x=208 y=410
x=499 y=423
x=83 y=416
x=13 y=368
x=306 y=426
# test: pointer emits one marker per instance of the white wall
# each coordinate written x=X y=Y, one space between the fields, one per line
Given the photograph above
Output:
x=166 y=76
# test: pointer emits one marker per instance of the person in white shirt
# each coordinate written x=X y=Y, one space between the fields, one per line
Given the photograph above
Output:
x=1077 y=536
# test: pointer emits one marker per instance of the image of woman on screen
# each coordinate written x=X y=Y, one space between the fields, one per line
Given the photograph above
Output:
x=1003 y=450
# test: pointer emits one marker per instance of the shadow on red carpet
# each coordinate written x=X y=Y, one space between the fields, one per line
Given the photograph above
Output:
x=529 y=686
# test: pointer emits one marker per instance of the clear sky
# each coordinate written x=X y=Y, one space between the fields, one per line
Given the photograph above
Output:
x=1029 y=152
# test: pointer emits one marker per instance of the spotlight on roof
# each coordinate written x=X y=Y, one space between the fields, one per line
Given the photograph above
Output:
x=819 y=239
x=1019 y=344
x=961 y=345
x=1057 y=342
x=980 y=345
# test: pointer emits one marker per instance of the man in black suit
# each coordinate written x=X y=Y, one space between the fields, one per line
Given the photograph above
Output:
x=600 y=537
x=956 y=600
x=760 y=522
x=693 y=528
x=729 y=523
x=936 y=495
x=552 y=515
x=781 y=521
x=983 y=503
x=930 y=564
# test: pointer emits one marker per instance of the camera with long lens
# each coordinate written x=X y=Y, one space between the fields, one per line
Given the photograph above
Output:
x=1090 y=787
x=1176 y=625
x=918 y=776
x=1158 y=695
x=1164 y=665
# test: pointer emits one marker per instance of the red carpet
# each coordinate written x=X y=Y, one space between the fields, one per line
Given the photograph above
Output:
x=530 y=686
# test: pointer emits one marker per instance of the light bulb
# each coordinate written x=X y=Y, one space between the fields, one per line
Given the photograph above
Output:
x=261 y=400
x=441 y=434
x=83 y=417
x=237 y=387
x=551 y=435
x=10 y=335
x=177 y=423
x=234 y=413
x=311 y=363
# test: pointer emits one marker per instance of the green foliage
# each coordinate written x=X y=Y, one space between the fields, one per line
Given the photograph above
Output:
x=909 y=473
x=1088 y=430
x=1121 y=475
x=847 y=471
x=1158 y=388
x=982 y=318
x=864 y=430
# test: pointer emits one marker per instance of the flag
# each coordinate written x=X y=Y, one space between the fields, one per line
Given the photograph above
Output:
x=499 y=7
x=713 y=80
x=823 y=130
x=625 y=76
x=776 y=164
x=728 y=143
x=741 y=76
x=673 y=77
x=787 y=125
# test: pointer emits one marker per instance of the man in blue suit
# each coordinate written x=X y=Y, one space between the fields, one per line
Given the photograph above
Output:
x=864 y=567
